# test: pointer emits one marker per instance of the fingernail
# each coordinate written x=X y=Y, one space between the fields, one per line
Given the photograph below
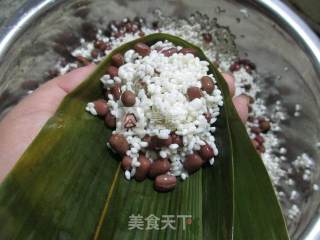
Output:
x=248 y=98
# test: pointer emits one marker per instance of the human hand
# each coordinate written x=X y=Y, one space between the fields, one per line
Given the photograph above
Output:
x=23 y=123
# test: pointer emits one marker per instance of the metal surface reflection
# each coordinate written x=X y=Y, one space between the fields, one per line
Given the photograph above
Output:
x=278 y=11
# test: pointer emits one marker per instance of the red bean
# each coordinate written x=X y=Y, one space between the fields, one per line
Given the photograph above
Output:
x=251 y=99
x=94 y=53
x=142 y=48
x=261 y=149
x=176 y=139
x=141 y=34
x=255 y=130
x=152 y=142
x=83 y=60
x=126 y=163
x=259 y=139
x=118 y=34
x=206 y=152
x=235 y=67
x=264 y=125
x=247 y=64
x=164 y=142
x=207 y=37
x=143 y=170
x=248 y=68
x=101 y=45
x=193 y=162
x=52 y=73
x=119 y=143
x=169 y=52
x=250 y=119
x=128 y=98
x=117 y=59
x=188 y=50
x=165 y=183
x=193 y=93
x=158 y=167
x=110 y=120
x=88 y=31
x=207 y=84
x=30 y=85
x=112 y=71
x=116 y=91
x=101 y=107
x=208 y=116
x=128 y=27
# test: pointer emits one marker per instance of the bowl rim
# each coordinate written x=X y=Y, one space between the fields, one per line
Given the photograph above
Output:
x=276 y=9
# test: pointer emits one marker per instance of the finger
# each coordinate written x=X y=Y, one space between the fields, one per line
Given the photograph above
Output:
x=22 y=124
x=71 y=80
x=230 y=81
x=241 y=103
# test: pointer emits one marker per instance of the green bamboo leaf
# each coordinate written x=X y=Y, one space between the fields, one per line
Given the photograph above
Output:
x=67 y=185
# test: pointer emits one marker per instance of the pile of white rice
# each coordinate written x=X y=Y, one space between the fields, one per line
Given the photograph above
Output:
x=162 y=105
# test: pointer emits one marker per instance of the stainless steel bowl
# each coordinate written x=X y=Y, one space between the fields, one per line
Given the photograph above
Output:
x=274 y=37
